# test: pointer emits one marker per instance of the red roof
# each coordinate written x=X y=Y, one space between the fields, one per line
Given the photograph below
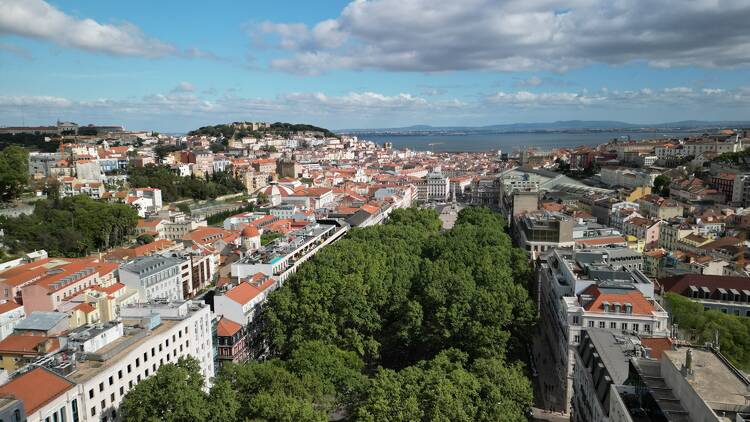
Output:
x=680 y=284
x=36 y=388
x=8 y=306
x=250 y=231
x=226 y=327
x=245 y=291
x=86 y=308
x=640 y=305
x=27 y=344
x=601 y=240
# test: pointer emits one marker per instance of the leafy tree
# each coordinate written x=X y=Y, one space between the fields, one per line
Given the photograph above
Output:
x=223 y=403
x=174 y=187
x=72 y=226
x=661 y=184
x=733 y=330
x=14 y=172
x=52 y=191
x=31 y=141
x=271 y=393
x=399 y=322
x=144 y=239
x=269 y=237
x=173 y=394
x=445 y=389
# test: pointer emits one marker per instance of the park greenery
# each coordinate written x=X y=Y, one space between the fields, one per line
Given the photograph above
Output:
x=739 y=158
x=174 y=187
x=14 y=172
x=398 y=322
x=72 y=227
x=218 y=218
x=269 y=237
x=30 y=141
x=703 y=325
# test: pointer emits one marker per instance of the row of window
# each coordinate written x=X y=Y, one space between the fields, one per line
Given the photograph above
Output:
x=623 y=326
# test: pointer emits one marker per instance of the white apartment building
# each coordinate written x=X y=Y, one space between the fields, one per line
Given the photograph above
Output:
x=241 y=302
x=11 y=314
x=627 y=177
x=573 y=288
x=438 y=187
x=154 y=277
x=88 y=380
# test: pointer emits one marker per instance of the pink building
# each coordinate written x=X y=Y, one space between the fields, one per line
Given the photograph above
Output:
x=42 y=285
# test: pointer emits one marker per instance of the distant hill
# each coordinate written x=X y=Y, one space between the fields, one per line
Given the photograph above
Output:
x=565 y=125
x=242 y=129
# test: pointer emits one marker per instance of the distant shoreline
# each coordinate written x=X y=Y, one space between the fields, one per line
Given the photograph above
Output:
x=511 y=141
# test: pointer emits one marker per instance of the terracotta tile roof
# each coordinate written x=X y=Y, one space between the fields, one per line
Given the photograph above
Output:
x=22 y=344
x=640 y=305
x=154 y=246
x=149 y=223
x=86 y=308
x=8 y=306
x=226 y=327
x=36 y=388
x=46 y=272
x=110 y=289
x=245 y=291
x=681 y=284
x=209 y=235
x=601 y=241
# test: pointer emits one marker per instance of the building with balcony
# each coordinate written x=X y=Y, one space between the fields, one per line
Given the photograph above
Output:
x=281 y=257
x=573 y=286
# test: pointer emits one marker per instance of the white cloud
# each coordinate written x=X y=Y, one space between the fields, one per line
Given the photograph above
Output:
x=34 y=101
x=184 y=87
x=518 y=35
x=40 y=20
x=358 y=108
x=547 y=99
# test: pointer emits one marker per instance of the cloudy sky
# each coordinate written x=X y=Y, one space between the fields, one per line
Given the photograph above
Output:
x=175 y=65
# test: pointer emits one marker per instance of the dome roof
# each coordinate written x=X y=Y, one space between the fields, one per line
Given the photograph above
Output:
x=250 y=231
x=276 y=190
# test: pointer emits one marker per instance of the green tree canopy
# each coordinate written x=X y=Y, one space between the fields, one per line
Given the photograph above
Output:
x=14 y=171
x=72 y=226
x=174 y=394
x=174 y=187
x=399 y=322
x=733 y=330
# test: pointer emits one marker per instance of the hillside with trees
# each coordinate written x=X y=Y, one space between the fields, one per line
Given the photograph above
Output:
x=14 y=172
x=235 y=130
x=399 y=322
x=174 y=187
x=34 y=142
x=72 y=227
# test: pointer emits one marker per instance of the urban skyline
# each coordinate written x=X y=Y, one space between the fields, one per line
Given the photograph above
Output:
x=372 y=63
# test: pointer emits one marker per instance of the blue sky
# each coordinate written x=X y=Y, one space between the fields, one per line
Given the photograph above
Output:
x=176 y=65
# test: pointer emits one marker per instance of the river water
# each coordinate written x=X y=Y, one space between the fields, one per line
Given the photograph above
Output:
x=508 y=142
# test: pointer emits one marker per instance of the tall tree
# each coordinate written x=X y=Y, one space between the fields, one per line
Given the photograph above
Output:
x=14 y=171
x=173 y=394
